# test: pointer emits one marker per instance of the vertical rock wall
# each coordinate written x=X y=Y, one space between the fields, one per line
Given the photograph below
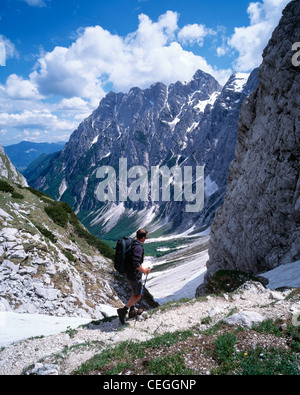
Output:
x=258 y=226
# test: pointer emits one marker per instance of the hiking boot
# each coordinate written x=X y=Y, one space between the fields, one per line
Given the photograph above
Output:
x=135 y=312
x=122 y=314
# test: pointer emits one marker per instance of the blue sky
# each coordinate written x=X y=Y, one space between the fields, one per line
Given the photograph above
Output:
x=63 y=56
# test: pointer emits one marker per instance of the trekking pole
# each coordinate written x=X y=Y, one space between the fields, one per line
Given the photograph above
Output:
x=144 y=286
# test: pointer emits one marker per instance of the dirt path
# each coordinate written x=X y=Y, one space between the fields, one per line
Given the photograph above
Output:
x=69 y=350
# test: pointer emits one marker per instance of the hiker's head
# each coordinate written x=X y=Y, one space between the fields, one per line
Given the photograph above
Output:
x=141 y=235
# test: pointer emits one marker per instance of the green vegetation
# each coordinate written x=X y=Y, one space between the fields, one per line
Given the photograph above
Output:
x=226 y=349
x=58 y=214
x=227 y=281
x=114 y=360
x=170 y=365
x=43 y=196
x=69 y=256
x=271 y=362
x=62 y=215
x=45 y=232
x=16 y=195
x=6 y=187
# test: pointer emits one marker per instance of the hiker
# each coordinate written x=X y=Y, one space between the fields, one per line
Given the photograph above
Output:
x=134 y=272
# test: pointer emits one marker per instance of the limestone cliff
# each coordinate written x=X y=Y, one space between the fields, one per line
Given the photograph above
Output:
x=257 y=228
x=8 y=170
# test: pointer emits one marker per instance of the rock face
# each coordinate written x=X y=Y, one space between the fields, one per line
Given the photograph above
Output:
x=258 y=226
x=46 y=268
x=190 y=123
x=8 y=170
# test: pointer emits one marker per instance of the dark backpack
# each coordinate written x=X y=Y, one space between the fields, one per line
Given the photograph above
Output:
x=123 y=254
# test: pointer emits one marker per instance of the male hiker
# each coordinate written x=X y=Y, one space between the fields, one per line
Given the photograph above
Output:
x=134 y=274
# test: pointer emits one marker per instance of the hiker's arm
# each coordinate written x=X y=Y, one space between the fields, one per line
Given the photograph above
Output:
x=137 y=258
x=137 y=254
x=144 y=270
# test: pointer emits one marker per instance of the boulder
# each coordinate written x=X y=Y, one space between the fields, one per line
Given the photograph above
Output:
x=244 y=318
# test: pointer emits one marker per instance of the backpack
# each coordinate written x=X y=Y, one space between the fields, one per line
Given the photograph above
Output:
x=123 y=254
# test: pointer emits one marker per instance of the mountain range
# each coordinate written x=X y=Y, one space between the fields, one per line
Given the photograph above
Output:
x=25 y=152
x=51 y=264
x=186 y=124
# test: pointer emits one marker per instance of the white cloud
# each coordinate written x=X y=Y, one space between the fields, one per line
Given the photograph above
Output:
x=10 y=49
x=221 y=51
x=194 y=34
x=18 y=88
x=250 y=41
x=68 y=82
x=97 y=57
x=42 y=120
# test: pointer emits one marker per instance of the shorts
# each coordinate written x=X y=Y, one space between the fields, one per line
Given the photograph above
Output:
x=136 y=286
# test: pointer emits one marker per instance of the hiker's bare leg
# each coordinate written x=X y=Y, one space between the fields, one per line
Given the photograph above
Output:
x=132 y=301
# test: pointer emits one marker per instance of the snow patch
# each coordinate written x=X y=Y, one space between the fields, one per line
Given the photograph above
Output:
x=203 y=103
x=179 y=282
x=193 y=127
x=95 y=140
x=239 y=82
x=15 y=327
x=111 y=217
x=62 y=188
x=173 y=124
x=284 y=276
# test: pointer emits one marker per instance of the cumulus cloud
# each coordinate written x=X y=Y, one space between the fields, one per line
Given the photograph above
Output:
x=68 y=82
x=152 y=53
x=250 y=41
x=34 y=120
x=194 y=34
x=18 y=88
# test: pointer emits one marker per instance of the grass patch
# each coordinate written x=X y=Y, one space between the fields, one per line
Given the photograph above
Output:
x=69 y=256
x=113 y=360
x=16 y=195
x=6 y=187
x=227 y=281
x=62 y=215
x=43 y=196
x=268 y=362
x=58 y=214
x=221 y=349
x=45 y=232
x=224 y=347
x=169 y=365
x=268 y=327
